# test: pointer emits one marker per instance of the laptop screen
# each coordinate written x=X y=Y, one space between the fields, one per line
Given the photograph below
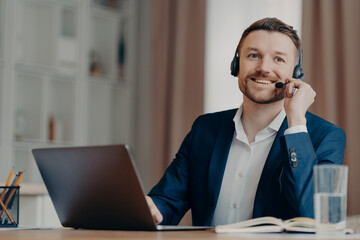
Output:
x=94 y=187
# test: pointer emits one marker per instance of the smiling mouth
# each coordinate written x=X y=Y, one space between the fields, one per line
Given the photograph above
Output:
x=263 y=81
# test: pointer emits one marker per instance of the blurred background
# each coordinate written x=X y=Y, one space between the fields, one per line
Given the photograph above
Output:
x=93 y=72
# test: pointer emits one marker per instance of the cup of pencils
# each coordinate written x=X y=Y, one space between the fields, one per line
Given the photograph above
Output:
x=9 y=200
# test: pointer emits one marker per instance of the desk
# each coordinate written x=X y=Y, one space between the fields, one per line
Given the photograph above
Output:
x=71 y=234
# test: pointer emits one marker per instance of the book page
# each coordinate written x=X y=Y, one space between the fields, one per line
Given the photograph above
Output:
x=263 y=224
x=257 y=229
x=300 y=222
x=254 y=222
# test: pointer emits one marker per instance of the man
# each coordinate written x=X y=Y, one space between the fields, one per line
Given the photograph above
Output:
x=256 y=160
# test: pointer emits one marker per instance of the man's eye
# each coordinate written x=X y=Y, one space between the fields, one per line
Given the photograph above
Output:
x=278 y=59
x=253 y=55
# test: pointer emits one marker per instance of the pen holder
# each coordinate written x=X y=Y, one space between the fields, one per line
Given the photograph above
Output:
x=9 y=206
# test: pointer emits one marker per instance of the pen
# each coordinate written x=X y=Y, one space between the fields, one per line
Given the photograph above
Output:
x=17 y=183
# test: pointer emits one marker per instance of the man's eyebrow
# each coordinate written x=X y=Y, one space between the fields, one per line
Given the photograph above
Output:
x=281 y=53
x=258 y=50
x=252 y=49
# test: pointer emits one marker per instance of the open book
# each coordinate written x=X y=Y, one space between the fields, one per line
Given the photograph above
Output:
x=269 y=224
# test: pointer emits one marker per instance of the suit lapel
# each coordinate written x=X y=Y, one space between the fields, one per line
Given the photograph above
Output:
x=218 y=163
x=272 y=163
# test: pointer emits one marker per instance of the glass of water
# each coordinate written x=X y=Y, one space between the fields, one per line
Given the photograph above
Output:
x=330 y=197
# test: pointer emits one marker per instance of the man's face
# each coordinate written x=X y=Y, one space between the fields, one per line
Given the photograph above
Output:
x=265 y=58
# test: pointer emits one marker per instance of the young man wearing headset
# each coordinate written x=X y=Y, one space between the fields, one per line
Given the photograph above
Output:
x=256 y=160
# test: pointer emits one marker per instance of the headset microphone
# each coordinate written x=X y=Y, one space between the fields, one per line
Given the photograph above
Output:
x=280 y=84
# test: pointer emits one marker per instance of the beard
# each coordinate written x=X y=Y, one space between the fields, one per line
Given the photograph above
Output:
x=270 y=96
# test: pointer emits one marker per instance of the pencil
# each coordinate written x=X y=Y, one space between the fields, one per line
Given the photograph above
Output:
x=9 y=177
x=12 y=191
x=6 y=211
x=7 y=184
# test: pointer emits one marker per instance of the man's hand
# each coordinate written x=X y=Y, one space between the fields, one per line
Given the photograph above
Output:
x=154 y=210
x=297 y=105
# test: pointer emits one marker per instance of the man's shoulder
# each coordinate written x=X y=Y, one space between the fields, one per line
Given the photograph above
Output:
x=213 y=121
x=317 y=124
x=218 y=116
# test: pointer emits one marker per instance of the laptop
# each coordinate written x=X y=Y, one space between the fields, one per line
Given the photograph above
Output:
x=97 y=187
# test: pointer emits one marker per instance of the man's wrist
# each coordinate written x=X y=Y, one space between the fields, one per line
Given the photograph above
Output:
x=296 y=129
x=296 y=121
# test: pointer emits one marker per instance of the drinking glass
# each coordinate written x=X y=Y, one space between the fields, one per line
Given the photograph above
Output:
x=330 y=197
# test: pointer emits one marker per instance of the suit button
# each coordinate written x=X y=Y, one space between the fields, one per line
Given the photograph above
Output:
x=291 y=150
x=293 y=157
x=295 y=164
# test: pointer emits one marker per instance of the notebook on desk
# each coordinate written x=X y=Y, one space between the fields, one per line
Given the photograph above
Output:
x=97 y=187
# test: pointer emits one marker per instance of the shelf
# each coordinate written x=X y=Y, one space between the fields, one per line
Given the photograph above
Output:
x=104 y=52
x=28 y=106
x=102 y=10
x=101 y=123
x=42 y=34
x=41 y=70
x=107 y=80
x=48 y=76
x=60 y=106
x=47 y=88
x=34 y=143
x=62 y=3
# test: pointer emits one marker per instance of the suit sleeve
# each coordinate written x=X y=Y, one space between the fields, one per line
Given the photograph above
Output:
x=171 y=194
x=300 y=155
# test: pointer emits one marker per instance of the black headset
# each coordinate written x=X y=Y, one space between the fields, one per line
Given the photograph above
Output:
x=298 y=71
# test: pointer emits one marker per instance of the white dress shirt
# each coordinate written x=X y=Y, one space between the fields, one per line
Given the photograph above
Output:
x=243 y=170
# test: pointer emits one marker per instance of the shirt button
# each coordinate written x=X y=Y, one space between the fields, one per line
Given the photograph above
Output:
x=234 y=205
x=240 y=174
x=248 y=148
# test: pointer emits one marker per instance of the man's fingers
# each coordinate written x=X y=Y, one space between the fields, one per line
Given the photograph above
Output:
x=291 y=86
x=154 y=210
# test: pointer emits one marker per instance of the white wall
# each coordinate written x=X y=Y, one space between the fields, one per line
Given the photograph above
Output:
x=225 y=22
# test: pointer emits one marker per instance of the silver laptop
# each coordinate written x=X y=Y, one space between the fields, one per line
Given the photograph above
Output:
x=97 y=187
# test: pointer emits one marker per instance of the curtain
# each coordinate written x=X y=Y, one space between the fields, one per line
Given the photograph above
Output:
x=331 y=37
x=178 y=46
x=178 y=73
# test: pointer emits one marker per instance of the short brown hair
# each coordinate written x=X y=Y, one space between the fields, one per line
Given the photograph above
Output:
x=272 y=25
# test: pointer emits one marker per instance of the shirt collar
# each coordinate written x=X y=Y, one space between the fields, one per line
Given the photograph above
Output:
x=239 y=129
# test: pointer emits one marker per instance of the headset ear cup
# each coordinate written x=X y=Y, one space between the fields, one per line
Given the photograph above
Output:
x=297 y=72
x=235 y=66
x=302 y=75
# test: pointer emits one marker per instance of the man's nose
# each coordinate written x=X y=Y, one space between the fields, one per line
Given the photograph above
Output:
x=264 y=66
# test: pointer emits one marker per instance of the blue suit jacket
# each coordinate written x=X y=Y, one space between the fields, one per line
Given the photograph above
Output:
x=193 y=179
